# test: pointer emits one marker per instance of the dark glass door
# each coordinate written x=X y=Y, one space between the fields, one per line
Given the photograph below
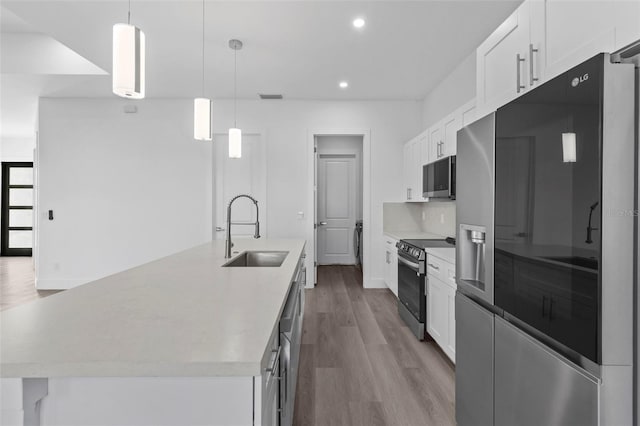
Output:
x=547 y=207
x=17 y=209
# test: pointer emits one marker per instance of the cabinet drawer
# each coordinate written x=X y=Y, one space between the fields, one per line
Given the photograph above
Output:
x=442 y=270
x=390 y=243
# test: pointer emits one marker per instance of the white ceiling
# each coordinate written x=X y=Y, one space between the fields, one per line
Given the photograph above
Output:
x=300 y=49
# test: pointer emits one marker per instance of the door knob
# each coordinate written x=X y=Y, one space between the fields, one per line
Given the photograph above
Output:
x=322 y=223
x=219 y=229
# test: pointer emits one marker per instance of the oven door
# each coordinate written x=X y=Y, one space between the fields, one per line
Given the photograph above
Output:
x=411 y=287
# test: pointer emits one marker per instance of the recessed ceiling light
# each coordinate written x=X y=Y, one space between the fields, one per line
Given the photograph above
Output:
x=343 y=84
x=358 y=22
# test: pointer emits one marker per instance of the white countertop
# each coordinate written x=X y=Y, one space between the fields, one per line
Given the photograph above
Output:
x=445 y=253
x=182 y=315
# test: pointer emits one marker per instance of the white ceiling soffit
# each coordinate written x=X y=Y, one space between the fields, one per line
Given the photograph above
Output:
x=33 y=64
x=32 y=53
x=300 y=49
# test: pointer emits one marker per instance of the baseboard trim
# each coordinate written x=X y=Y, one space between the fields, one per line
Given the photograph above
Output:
x=375 y=283
x=47 y=284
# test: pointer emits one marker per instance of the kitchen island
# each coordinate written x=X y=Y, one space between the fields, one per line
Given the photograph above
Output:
x=181 y=340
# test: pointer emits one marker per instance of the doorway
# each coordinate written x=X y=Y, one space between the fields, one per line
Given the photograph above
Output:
x=339 y=206
x=17 y=209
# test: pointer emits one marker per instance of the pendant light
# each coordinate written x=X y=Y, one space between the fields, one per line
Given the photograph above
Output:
x=235 y=134
x=569 y=149
x=202 y=105
x=128 y=60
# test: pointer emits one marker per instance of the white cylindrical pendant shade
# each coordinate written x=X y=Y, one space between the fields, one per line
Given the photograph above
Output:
x=202 y=119
x=128 y=61
x=235 y=143
x=569 y=147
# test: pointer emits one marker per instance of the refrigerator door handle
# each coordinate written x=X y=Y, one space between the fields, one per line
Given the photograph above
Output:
x=519 y=85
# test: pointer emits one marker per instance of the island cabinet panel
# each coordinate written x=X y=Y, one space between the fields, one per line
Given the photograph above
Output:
x=147 y=401
x=266 y=406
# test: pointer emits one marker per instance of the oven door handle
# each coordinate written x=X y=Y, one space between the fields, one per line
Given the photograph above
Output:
x=414 y=266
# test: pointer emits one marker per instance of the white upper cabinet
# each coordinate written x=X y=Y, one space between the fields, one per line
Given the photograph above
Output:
x=544 y=38
x=412 y=169
x=450 y=127
x=502 y=62
x=435 y=142
x=468 y=113
x=570 y=32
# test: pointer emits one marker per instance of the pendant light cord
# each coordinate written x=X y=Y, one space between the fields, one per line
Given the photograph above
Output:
x=129 y=14
x=202 y=48
x=235 y=92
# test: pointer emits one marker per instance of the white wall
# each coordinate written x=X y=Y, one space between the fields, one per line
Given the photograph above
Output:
x=129 y=188
x=454 y=91
x=17 y=149
x=288 y=125
x=124 y=188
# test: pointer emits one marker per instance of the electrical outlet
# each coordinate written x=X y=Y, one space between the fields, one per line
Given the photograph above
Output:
x=300 y=215
x=441 y=217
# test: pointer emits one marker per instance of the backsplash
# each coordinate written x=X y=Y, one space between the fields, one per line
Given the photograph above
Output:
x=434 y=217
x=440 y=218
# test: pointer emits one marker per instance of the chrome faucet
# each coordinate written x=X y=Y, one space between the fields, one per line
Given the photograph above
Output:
x=228 y=244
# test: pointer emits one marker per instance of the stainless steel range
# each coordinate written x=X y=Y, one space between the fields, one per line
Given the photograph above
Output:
x=412 y=281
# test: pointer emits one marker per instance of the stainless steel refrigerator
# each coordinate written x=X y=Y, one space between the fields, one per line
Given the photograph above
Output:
x=546 y=254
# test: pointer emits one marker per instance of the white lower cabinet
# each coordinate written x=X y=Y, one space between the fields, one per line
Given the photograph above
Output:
x=391 y=264
x=441 y=314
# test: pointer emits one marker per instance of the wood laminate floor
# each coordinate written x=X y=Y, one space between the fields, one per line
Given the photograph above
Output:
x=359 y=363
x=18 y=282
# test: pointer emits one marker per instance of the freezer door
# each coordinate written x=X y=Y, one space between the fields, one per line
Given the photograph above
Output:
x=535 y=386
x=475 y=206
x=474 y=363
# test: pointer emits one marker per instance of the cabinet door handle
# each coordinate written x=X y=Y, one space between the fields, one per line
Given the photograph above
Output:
x=532 y=50
x=551 y=309
x=409 y=192
x=274 y=365
x=519 y=85
x=434 y=266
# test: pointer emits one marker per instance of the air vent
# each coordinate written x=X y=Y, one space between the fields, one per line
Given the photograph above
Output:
x=263 y=96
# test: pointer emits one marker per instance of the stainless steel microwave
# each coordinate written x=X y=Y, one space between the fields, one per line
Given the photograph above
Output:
x=439 y=179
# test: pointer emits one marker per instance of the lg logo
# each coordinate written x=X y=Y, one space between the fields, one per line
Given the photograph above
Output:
x=579 y=80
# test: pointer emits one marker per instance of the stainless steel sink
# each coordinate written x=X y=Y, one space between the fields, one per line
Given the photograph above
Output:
x=258 y=259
